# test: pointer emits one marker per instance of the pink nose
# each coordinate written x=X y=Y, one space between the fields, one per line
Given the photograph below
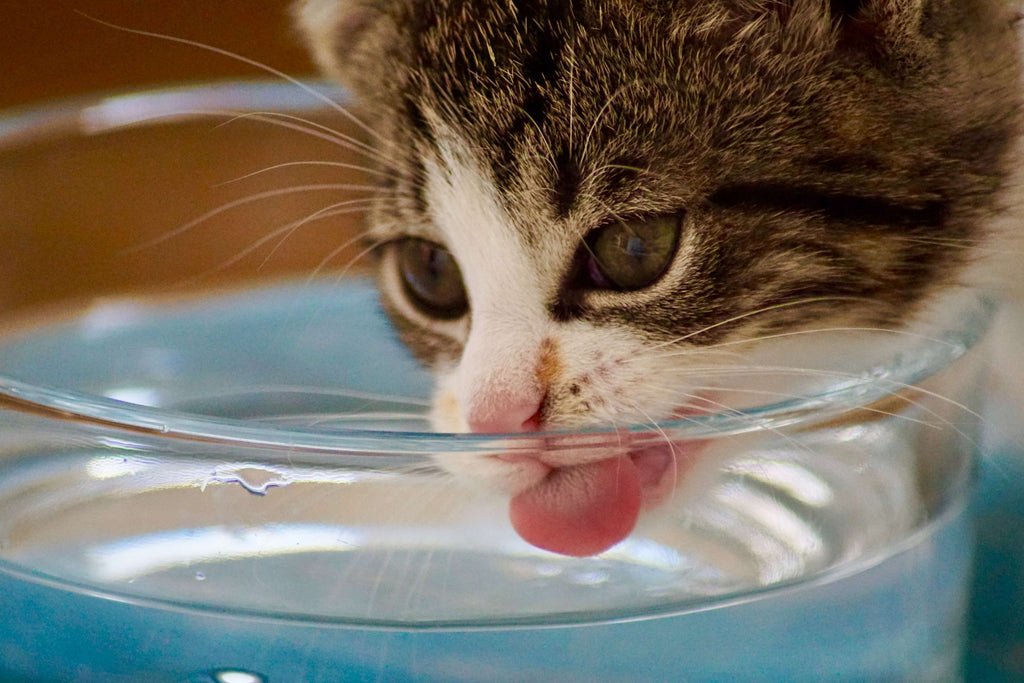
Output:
x=505 y=416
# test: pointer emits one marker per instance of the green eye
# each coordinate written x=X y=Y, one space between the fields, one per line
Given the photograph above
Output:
x=431 y=278
x=633 y=254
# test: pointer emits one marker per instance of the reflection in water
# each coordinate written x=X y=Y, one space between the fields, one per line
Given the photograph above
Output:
x=237 y=676
x=141 y=396
x=784 y=544
x=414 y=546
x=790 y=477
x=141 y=555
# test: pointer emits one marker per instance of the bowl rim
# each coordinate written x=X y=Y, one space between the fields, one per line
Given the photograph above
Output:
x=952 y=513
x=101 y=114
x=108 y=112
x=857 y=390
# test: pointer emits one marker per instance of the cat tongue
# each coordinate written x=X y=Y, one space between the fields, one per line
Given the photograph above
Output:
x=580 y=510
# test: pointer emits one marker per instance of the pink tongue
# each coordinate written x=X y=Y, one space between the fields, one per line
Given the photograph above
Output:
x=580 y=510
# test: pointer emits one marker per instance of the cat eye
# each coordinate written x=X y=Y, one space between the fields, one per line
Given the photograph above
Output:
x=431 y=278
x=630 y=255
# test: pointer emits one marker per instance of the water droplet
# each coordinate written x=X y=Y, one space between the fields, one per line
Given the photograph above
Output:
x=254 y=479
x=237 y=676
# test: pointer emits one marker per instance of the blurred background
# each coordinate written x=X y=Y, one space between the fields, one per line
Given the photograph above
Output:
x=101 y=213
x=51 y=50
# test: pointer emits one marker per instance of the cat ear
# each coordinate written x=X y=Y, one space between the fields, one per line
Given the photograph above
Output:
x=347 y=38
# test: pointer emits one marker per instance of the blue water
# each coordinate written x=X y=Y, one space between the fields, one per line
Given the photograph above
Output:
x=899 y=620
x=996 y=643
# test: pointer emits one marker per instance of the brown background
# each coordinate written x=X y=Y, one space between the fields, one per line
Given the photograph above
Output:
x=73 y=213
x=48 y=49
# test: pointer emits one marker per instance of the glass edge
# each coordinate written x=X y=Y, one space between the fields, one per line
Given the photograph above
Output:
x=118 y=110
x=956 y=505
x=113 y=110
x=20 y=396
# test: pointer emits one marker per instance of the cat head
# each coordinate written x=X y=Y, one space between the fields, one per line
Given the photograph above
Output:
x=584 y=201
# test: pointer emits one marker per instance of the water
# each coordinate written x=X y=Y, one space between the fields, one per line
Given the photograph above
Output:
x=197 y=566
x=256 y=554
x=898 y=620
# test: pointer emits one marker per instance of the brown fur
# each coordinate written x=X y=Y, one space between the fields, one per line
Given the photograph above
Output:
x=832 y=154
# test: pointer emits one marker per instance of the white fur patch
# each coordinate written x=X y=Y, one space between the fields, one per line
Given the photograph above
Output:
x=498 y=370
x=516 y=355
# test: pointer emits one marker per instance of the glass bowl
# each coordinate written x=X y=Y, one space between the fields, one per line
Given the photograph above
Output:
x=215 y=463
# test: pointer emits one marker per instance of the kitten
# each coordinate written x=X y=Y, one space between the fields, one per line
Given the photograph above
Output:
x=582 y=197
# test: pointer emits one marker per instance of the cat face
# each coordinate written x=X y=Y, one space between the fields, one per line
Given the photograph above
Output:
x=586 y=203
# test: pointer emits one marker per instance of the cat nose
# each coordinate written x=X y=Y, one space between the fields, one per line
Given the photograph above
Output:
x=521 y=414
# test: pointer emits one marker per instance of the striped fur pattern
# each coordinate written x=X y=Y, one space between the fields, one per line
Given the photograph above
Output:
x=827 y=160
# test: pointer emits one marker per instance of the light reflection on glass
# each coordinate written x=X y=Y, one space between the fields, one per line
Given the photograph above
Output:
x=111 y=466
x=134 y=557
x=143 y=396
x=109 y=318
x=649 y=554
x=790 y=535
x=236 y=676
x=255 y=477
x=795 y=480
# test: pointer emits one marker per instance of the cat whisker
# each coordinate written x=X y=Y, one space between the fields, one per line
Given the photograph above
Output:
x=402 y=509
x=328 y=392
x=416 y=585
x=322 y=187
x=797 y=333
x=270 y=118
x=431 y=502
x=892 y=385
x=313 y=129
x=332 y=211
x=786 y=395
x=305 y=87
x=825 y=330
x=729 y=370
x=756 y=312
x=337 y=250
x=674 y=454
x=288 y=164
x=282 y=232
x=966 y=245
x=740 y=414
x=696 y=353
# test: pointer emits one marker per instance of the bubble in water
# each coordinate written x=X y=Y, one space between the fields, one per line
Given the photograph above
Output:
x=237 y=676
x=200 y=576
